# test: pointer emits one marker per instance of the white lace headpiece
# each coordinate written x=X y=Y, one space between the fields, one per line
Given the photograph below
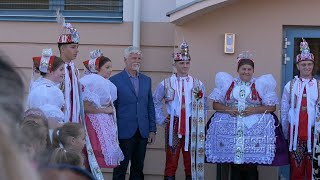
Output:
x=93 y=63
x=69 y=34
x=245 y=55
x=45 y=64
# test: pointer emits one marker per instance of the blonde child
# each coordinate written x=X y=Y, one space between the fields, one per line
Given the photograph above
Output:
x=37 y=116
x=70 y=136
x=62 y=156
x=33 y=138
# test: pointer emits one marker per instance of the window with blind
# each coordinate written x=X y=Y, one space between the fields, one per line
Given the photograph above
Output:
x=72 y=10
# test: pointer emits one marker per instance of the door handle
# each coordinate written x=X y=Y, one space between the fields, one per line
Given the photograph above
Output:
x=286 y=58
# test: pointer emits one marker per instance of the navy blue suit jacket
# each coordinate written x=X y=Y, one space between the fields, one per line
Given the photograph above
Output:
x=134 y=112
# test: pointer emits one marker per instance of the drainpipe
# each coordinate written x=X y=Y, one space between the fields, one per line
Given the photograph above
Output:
x=136 y=23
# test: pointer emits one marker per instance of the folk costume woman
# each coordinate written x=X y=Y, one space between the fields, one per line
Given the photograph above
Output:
x=243 y=130
x=100 y=120
x=44 y=92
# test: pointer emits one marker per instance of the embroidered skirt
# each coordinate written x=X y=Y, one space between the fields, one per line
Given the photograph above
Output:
x=264 y=143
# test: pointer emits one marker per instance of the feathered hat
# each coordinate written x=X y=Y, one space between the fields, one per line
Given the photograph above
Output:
x=93 y=63
x=184 y=54
x=305 y=54
x=68 y=35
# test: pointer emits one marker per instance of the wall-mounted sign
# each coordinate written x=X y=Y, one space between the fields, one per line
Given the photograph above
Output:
x=229 y=40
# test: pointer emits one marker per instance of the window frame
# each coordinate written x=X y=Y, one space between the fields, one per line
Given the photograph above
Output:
x=49 y=15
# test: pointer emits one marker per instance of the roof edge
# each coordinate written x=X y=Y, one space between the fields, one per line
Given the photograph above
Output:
x=185 y=13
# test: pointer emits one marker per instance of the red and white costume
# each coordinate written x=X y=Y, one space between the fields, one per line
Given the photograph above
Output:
x=45 y=94
x=298 y=115
x=101 y=128
x=185 y=104
x=70 y=86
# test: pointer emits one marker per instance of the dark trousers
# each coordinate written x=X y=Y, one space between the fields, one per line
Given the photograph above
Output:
x=244 y=172
x=134 y=150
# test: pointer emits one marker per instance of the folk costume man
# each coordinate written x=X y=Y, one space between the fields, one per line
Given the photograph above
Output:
x=184 y=97
x=68 y=46
x=298 y=114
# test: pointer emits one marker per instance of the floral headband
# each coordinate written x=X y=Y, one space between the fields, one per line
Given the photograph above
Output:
x=93 y=63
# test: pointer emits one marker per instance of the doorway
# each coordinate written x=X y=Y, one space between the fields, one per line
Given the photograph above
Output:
x=292 y=38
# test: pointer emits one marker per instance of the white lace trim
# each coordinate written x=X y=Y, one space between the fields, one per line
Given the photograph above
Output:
x=285 y=106
x=113 y=90
x=223 y=81
x=221 y=137
x=106 y=130
x=53 y=112
x=266 y=87
x=217 y=96
x=43 y=81
x=270 y=99
x=89 y=95
x=98 y=90
x=48 y=98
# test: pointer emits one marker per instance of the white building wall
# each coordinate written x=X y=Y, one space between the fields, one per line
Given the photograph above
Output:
x=182 y=2
x=152 y=10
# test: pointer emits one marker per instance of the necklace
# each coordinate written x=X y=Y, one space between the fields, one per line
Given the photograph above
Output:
x=242 y=83
x=242 y=100
x=242 y=92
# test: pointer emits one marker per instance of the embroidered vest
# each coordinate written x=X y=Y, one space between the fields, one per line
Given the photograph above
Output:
x=169 y=92
x=254 y=92
x=291 y=89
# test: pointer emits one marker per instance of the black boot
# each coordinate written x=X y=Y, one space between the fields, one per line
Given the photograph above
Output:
x=188 y=177
x=169 y=178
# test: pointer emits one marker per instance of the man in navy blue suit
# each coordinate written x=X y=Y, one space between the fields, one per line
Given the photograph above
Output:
x=135 y=115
